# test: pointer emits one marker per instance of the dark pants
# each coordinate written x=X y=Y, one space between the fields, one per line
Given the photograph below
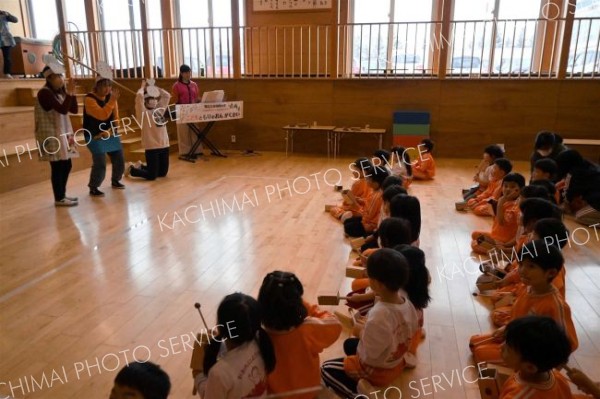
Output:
x=59 y=176
x=157 y=165
x=7 y=59
x=334 y=376
x=98 y=171
x=354 y=227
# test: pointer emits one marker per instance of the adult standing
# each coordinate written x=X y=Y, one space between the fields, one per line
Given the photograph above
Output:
x=8 y=41
x=185 y=91
x=100 y=118
x=54 y=133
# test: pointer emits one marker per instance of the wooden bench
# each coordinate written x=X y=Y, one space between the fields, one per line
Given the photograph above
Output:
x=584 y=142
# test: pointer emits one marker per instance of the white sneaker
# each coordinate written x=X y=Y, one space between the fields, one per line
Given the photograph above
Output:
x=74 y=199
x=8 y=76
x=65 y=202
x=137 y=164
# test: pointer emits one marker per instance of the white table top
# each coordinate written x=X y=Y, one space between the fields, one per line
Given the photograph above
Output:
x=358 y=130
x=312 y=127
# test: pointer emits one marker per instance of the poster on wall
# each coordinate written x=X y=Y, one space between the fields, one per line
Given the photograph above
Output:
x=291 y=5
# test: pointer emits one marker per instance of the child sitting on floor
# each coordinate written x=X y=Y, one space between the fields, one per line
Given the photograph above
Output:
x=360 y=190
x=534 y=347
x=241 y=371
x=142 y=381
x=540 y=263
x=401 y=165
x=362 y=226
x=480 y=205
x=424 y=166
x=378 y=356
x=299 y=332
x=484 y=171
x=506 y=216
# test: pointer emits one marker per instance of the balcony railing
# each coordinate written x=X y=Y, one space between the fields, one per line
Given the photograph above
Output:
x=491 y=49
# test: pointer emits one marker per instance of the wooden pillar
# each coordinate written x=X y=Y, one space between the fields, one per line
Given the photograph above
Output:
x=547 y=40
x=235 y=39
x=334 y=34
x=168 y=23
x=91 y=9
x=145 y=42
x=62 y=28
x=344 y=39
x=565 y=46
x=442 y=11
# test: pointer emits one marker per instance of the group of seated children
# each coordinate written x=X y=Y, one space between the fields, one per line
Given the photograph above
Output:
x=525 y=275
x=391 y=285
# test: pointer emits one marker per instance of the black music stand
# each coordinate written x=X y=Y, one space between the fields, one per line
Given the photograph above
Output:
x=201 y=138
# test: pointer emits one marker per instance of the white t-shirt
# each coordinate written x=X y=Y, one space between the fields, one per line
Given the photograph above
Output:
x=387 y=333
x=240 y=373
x=152 y=121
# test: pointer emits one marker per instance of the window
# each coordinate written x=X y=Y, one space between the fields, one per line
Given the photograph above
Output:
x=205 y=36
x=392 y=38
x=489 y=40
x=584 y=57
x=76 y=16
x=43 y=19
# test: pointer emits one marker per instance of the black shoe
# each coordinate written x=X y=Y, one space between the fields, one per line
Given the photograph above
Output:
x=94 y=192
x=118 y=186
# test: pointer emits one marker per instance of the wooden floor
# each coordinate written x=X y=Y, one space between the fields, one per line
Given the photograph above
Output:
x=85 y=288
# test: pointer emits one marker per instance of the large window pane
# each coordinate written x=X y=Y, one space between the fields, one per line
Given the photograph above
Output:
x=584 y=57
x=44 y=19
x=410 y=41
x=370 y=41
x=76 y=18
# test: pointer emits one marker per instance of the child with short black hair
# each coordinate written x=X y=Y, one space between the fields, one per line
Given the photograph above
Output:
x=382 y=159
x=506 y=216
x=480 y=205
x=544 y=169
x=484 y=171
x=241 y=371
x=540 y=263
x=534 y=347
x=424 y=166
x=299 y=332
x=365 y=224
x=141 y=380
x=378 y=356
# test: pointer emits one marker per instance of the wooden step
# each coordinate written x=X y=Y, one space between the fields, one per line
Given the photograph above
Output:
x=27 y=95
x=16 y=123
x=22 y=147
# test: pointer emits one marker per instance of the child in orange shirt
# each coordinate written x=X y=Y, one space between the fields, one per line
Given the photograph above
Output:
x=360 y=190
x=362 y=226
x=378 y=356
x=480 y=205
x=299 y=332
x=540 y=263
x=534 y=347
x=424 y=166
x=553 y=232
x=506 y=219
x=484 y=171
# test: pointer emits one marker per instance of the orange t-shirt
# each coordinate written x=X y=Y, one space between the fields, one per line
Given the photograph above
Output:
x=361 y=191
x=557 y=387
x=551 y=305
x=297 y=352
x=510 y=222
x=372 y=211
x=425 y=165
x=493 y=190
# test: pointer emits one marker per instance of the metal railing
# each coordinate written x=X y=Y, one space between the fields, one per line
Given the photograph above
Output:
x=521 y=48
